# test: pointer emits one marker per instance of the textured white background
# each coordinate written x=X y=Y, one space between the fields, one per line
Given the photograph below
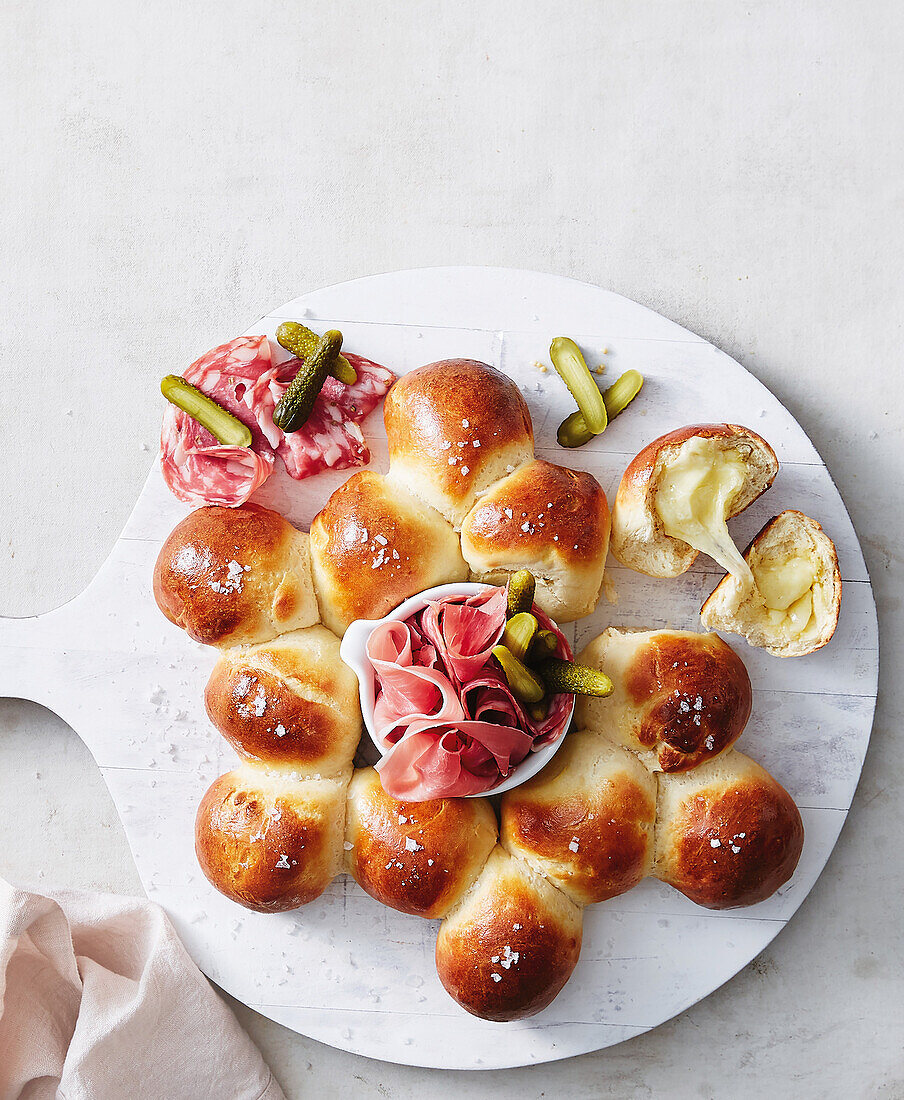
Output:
x=170 y=171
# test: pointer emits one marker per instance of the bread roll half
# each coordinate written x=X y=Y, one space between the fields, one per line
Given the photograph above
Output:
x=675 y=496
x=679 y=698
x=510 y=945
x=550 y=520
x=793 y=606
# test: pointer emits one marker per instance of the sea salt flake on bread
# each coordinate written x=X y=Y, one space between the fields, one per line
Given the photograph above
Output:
x=792 y=609
x=453 y=428
x=675 y=496
x=679 y=698
x=550 y=520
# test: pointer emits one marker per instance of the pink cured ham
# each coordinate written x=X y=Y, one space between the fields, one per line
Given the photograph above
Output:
x=242 y=377
x=331 y=438
x=198 y=469
x=444 y=707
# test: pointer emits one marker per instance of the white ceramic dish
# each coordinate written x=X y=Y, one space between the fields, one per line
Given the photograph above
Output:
x=354 y=652
x=345 y=970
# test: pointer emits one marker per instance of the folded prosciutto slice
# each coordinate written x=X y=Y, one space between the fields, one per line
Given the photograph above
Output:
x=242 y=377
x=444 y=706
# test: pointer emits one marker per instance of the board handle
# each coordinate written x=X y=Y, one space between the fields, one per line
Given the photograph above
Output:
x=30 y=647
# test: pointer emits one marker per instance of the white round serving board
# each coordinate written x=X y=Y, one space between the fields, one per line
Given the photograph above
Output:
x=346 y=970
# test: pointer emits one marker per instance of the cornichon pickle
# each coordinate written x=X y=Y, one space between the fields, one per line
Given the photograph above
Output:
x=574 y=679
x=521 y=589
x=519 y=632
x=573 y=431
x=302 y=342
x=226 y=428
x=544 y=645
x=524 y=684
x=569 y=362
x=296 y=403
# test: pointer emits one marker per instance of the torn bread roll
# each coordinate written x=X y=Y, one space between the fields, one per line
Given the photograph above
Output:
x=373 y=545
x=269 y=840
x=505 y=951
x=586 y=821
x=727 y=833
x=288 y=701
x=550 y=520
x=416 y=857
x=679 y=698
x=792 y=609
x=233 y=575
x=675 y=497
x=453 y=428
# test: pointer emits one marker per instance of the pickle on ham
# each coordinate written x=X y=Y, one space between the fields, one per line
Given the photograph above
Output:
x=451 y=724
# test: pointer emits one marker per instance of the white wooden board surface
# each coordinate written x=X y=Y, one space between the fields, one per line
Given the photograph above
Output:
x=344 y=969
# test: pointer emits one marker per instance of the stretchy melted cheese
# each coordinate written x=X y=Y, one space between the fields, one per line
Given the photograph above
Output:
x=786 y=586
x=694 y=497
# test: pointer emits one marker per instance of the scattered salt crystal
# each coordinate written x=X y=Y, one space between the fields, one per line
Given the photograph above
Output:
x=476 y=443
x=516 y=927
x=280 y=730
x=716 y=843
x=347 y=845
x=465 y=424
x=508 y=512
x=429 y=862
x=284 y=862
x=403 y=820
x=575 y=844
x=496 y=977
x=381 y=539
x=466 y=469
x=412 y=845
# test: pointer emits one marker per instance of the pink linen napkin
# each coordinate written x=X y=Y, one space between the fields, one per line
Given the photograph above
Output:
x=100 y=1001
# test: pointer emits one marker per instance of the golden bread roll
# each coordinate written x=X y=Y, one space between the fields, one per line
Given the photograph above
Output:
x=550 y=520
x=679 y=698
x=417 y=857
x=793 y=606
x=453 y=428
x=234 y=575
x=291 y=700
x=373 y=545
x=727 y=833
x=511 y=943
x=675 y=496
x=269 y=841
x=586 y=821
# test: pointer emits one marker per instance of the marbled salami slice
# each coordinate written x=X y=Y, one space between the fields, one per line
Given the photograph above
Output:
x=198 y=469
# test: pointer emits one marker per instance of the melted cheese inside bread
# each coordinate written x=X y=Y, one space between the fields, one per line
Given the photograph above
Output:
x=786 y=585
x=694 y=497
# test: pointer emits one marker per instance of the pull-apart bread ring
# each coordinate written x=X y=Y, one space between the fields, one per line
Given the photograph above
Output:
x=233 y=575
x=679 y=698
x=288 y=701
x=792 y=608
x=586 y=821
x=270 y=840
x=727 y=833
x=551 y=520
x=510 y=945
x=416 y=857
x=675 y=496
x=453 y=428
x=373 y=545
